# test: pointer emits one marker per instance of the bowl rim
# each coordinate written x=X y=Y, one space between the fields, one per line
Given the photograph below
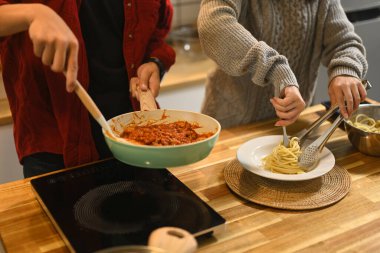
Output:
x=142 y=146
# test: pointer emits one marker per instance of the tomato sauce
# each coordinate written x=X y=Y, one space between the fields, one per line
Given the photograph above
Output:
x=164 y=134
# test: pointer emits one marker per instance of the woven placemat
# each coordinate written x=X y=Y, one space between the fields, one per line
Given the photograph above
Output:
x=291 y=195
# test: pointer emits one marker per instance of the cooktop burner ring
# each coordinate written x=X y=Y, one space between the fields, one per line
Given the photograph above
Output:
x=123 y=207
x=130 y=206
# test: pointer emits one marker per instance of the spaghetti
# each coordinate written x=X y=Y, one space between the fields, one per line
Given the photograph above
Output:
x=283 y=159
x=164 y=134
x=365 y=123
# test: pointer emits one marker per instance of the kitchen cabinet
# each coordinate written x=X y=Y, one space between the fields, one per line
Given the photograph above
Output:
x=183 y=86
x=187 y=98
x=10 y=168
x=350 y=225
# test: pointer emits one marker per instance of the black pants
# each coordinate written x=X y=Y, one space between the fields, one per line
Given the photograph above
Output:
x=41 y=163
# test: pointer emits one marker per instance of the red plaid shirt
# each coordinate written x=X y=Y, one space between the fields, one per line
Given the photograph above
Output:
x=47 y=118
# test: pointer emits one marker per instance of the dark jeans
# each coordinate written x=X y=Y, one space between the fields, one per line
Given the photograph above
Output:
x=41 y=163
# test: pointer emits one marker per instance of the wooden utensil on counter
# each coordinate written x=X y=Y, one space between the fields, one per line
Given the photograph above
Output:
x=173 y=240
x=161 y=240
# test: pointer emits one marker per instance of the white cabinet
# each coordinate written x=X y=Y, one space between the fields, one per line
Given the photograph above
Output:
x=187 y=98
x=10 y=168
x=183 y=86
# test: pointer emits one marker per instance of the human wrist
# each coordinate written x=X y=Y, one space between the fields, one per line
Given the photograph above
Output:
x=291 y=85
x=17 y=18
x=343 y=71
x=32 y=11
x=159 y=64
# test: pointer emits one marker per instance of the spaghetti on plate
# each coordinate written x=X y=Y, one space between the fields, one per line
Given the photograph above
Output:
x=283 y=159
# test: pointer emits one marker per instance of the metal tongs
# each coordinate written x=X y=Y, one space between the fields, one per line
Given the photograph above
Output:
x=310 y=154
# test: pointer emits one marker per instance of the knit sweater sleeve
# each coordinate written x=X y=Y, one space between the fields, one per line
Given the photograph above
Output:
x=236 y=51
x=344 y=53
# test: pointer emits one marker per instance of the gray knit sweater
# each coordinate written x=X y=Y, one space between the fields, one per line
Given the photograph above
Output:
x=262 y=44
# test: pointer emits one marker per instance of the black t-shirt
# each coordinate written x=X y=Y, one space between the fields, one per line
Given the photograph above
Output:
x=102 y=23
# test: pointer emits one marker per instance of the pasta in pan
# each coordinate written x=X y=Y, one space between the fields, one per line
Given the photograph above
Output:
x=284 y=159
x=365 y=123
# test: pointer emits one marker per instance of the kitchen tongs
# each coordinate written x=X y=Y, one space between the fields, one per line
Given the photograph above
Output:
x=310 y=154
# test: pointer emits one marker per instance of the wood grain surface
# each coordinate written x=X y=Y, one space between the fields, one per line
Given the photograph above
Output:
x=351 y=225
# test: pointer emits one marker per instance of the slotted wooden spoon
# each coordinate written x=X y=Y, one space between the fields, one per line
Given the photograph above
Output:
x=147 y=101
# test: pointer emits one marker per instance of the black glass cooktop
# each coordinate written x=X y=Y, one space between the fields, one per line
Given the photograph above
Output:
x=110 y=203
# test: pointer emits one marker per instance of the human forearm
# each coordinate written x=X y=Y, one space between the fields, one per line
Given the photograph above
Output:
x=223 y=39
x=235 y=49
x=15 y=18
x=53 y=41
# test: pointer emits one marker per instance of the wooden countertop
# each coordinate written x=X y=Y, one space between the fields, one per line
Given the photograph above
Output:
x=351 y=225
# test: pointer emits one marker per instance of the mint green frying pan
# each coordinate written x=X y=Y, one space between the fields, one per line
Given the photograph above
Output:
x=161 y=156
x=152 y=156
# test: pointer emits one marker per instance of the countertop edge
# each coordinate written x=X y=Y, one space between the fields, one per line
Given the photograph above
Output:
x=5 y=112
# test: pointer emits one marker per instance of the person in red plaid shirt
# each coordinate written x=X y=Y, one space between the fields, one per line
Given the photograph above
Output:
x=109 y=46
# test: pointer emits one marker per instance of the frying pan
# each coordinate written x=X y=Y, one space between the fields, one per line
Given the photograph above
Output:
x=153 y=156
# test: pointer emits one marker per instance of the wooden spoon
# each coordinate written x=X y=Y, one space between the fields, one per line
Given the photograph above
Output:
x=147 y=101
x=94 y=110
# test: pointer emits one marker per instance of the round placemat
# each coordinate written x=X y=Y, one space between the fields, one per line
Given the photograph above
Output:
x=291 y=195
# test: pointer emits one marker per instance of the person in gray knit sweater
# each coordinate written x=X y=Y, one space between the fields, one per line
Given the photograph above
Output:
x=263 y=46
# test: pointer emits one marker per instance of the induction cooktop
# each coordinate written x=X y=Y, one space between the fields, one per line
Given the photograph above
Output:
x=109 y=203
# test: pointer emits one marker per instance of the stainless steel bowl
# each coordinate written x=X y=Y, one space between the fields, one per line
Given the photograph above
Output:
x=365 y=142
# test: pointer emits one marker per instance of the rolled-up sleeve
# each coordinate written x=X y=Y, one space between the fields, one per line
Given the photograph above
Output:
x=236 y=51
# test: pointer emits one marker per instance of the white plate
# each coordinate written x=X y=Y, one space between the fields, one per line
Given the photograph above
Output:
x=251 y=153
